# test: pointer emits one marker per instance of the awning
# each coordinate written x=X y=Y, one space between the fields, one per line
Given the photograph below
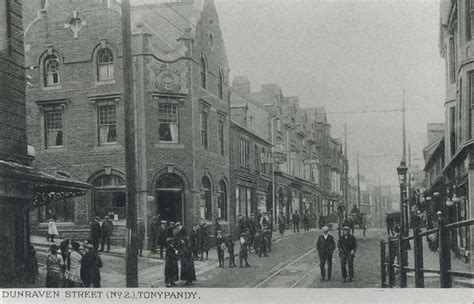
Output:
x=45 y=187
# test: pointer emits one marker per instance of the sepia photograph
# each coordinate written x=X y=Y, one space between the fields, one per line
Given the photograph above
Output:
x=232 y=150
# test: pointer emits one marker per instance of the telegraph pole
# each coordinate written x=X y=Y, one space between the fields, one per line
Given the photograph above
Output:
x=130 y=152
x=346 y=167
x=358 y=183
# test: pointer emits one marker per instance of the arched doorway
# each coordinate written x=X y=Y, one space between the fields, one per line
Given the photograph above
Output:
x=109 y=196
x=169 y=197
x=206 y=199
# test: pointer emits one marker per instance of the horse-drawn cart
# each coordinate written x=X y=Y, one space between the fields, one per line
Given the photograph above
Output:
x=353 y=221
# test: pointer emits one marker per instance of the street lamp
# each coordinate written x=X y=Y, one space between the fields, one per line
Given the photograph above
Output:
x=402 y=178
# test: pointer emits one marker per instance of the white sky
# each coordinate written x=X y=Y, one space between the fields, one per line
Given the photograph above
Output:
x=346 y=55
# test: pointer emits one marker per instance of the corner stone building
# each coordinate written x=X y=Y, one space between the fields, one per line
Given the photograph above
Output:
x=76 y=110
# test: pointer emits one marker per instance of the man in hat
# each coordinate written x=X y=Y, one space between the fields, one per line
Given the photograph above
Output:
x=241 y=224
x=203 y=239
x=96 y=233
x=244 y=249
x=178 y=234
x=220 y=245
x=296 y=221
x=107 y=228
x=90 y=264
x=162 y=236
x=325 y=246
x=347 y=245
x=154 y=224
x=230 y=250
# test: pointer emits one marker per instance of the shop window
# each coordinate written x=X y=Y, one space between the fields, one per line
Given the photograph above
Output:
x=168 y=128
x=109 y=196
x=206 y=199
x=107 y=122
x=244 y=153
x=105 y=64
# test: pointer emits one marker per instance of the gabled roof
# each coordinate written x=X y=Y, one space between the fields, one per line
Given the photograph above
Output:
x=168 y=21
x=429 y=151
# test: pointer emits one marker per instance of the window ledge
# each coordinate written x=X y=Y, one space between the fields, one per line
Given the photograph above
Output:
x=108 y=147
x=55 y=150
x=105 y=82
x=52 y=88
x=169 y=146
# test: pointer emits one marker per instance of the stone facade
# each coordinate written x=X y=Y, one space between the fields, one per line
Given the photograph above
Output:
x=181 y=97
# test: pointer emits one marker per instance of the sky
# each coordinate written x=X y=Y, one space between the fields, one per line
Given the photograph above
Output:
x=347 y=56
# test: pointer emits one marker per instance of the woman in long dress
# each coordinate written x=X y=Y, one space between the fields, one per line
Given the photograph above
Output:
x=73 y=267
x=171 y=264
x=188 y=273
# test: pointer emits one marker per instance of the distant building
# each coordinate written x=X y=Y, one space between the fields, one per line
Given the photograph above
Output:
x=456 y=45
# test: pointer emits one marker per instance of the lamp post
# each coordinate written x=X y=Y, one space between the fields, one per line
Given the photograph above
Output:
x=402 y=176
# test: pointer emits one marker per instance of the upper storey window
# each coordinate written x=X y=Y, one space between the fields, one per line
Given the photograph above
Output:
x=469 y=19
x=203 y=73
x=105 y=64
x=51 y=71
x=220 y=85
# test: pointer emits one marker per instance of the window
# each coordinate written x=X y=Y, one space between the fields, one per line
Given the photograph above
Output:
x=470 y=104
x=204 y=121
x=262 y=164
x=168 y=129
x=51 y=71
x=107 y=123
x=221 y=137
x=220 y=85
x=452 y=133
x=460 y=112
x=53 y=125
x=257 y=158
x=278 y=125
x=211 y=41
x=105 y=64
x=109 y=196
x=222 y=201
x=206 y=199
x=244 y=153
x=203 y=73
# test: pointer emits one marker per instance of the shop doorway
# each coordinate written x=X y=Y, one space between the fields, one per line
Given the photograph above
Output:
x=169 y=198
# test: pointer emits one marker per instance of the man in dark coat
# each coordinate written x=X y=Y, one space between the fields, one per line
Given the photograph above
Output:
x=154 y=224
x=171 y=263
x=306 y=221
x=96 y=233
x=296 y=221
x=162 y=236
x=325 y=246
x=241 y=224
x=107 y=228
x=252 y=227
x=178 y=234
x=193 y=240
x=90 y=264
x=203 y=241
x=347 y=245
x=281 y=223
x=244 y=250
x=141 y=236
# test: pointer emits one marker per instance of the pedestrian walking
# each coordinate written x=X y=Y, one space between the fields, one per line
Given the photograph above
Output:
x=220 y=245
x=90 y=267
x=325 y=246
x=241 y=224
x=96 y=233
x=178 y=234
x=171 y=263
x=31 y=265
x=54 y=268
x=252 y=226
x=154 y=224
x=257 y=241
x=244 y=250
x=306 y=221
x=188 y=273
x=107 y=229
x=296 y=221
x=281 y=224
x=347 y=246
x=52 y=230
x=141 y=236
x=203 y=239
x=230 y=250
x=73 y=266
x=162 y=236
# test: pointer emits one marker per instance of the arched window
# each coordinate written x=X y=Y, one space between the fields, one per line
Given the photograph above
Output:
x=51 y=71
x=203 y=73
x=206 y=199
x=105 y=64
x=222 y=201
x=109 y=196
x=220 y=85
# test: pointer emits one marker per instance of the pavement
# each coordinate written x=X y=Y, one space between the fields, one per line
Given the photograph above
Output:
x=150 y=267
